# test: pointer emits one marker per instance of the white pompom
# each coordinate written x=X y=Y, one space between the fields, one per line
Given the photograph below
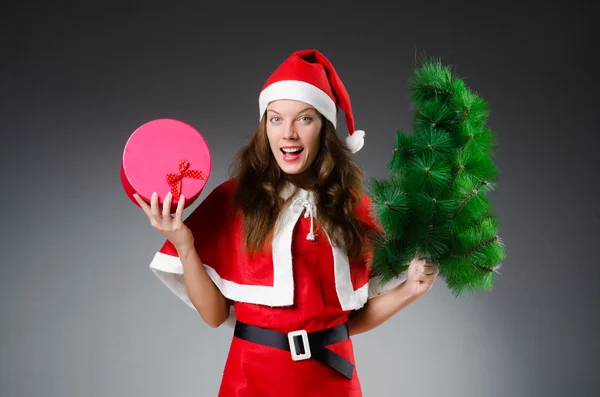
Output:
x=356 y=141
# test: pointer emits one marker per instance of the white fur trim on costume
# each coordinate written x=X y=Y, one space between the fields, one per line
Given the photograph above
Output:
x=356 y=141
x=350 y=299
x=376 y=288
x=169 y=270
x=300 y=91
x=281 y=293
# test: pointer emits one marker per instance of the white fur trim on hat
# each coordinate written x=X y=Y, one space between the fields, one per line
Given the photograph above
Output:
x=299 y=91
x=356 y=141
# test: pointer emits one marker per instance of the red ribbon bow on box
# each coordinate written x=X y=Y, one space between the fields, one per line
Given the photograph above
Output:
x=175 y=179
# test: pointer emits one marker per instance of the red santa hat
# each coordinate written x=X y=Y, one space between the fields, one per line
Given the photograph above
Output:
x=309 y=77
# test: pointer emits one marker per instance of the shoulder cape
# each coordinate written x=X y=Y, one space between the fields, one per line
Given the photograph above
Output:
x=266 y=278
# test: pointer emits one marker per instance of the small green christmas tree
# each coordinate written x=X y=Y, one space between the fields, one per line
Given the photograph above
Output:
x=434 y=205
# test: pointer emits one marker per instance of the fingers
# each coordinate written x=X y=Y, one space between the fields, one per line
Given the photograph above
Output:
x=166 y=212
x=160 y=216
x=424 y=268
x=422 y=275
x=152 y=210
x=154 y=207
x=166 y=209
x=146 y=209
x=142 y=204
x=179 y=211
x=429 y=269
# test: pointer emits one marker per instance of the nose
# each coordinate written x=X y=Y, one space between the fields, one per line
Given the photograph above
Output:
x=289 y=130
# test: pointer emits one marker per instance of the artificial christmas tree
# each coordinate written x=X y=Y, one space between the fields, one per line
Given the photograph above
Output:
x=434 y=205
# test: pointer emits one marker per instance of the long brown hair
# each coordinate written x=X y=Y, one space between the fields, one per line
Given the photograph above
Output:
x=338 y=188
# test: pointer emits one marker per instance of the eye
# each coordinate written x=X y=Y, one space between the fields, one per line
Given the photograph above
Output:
x=306 y=119
x=275 y=119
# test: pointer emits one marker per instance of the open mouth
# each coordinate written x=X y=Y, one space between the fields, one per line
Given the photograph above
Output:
x=291 y=151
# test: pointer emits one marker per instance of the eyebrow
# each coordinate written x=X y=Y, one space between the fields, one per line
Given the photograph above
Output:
x=302 y=111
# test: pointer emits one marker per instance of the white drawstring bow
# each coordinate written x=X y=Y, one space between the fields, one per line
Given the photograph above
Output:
x=309 y=211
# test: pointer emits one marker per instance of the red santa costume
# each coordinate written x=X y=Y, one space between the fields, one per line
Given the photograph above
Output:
x=291 y=301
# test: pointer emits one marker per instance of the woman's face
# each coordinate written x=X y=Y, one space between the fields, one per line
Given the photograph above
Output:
x=293 y=130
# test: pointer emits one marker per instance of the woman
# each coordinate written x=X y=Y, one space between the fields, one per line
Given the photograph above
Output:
x=278 y=251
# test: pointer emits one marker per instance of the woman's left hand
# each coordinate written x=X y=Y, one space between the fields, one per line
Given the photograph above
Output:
x=420 y=276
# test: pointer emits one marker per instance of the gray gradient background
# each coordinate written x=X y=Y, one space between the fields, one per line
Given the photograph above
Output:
x=82 y=315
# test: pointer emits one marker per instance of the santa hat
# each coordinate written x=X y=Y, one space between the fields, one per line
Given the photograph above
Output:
x=309 y=77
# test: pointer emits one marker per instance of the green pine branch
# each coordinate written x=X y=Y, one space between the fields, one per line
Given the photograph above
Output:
x=434 y=205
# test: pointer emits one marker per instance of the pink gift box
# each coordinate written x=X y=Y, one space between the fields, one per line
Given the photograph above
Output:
x=164 y=156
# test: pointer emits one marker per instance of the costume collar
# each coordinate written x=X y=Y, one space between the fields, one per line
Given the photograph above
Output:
x=290 y=190
x=302 y=198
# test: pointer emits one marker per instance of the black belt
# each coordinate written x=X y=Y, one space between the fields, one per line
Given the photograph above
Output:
x=301 y=344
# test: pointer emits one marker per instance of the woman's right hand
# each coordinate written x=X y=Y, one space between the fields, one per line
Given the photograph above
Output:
x=172 y=227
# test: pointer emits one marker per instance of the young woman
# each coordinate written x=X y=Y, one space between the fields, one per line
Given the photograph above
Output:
x=279 y=251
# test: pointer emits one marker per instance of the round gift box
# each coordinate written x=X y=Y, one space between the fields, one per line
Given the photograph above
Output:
x=162 y=156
